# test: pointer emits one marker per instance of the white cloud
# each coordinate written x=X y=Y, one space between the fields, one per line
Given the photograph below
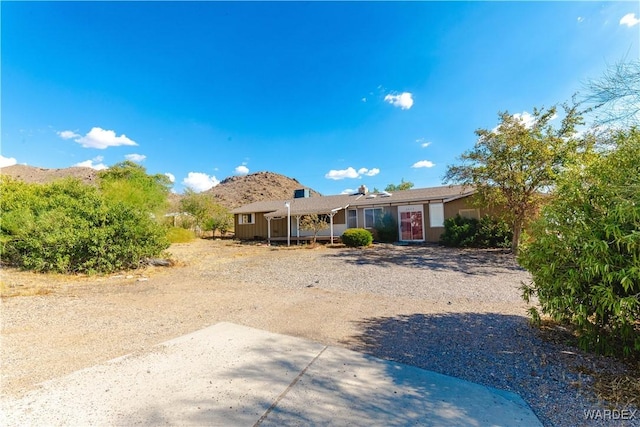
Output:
x=368 y=172
x=171 y=176
x=404 y=100
x=68 y=134
x=351 y=173
x=199 y=181
x=342 y=174
x=527 y=119
x=7 y=161
x=423 y=143
x=98 y=138
x=629 y=20
x=348 y=191
x=242 y=170
x=423 y=164
x=364 y=99
x=135 y=157
x=95 y=163
x=580 y=18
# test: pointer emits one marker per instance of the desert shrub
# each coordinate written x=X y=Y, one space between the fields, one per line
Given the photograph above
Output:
x=68 y=226
x=357 y=237
x=487 y=232
x=584 y=252
x=180 y=235
x=387 y=229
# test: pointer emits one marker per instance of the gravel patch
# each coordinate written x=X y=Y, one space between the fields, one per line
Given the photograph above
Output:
x=495 y=349
x=456 y=312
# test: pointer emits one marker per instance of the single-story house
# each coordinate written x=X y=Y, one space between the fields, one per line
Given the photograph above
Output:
x=420 y=213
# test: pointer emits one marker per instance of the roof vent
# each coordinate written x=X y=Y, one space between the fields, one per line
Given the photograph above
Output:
x=371 y=196
x=385 y=194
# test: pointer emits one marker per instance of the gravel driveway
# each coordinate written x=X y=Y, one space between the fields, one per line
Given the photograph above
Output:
x=457 y=312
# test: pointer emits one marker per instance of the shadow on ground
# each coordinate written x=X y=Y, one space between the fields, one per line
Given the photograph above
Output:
x=432 y=257
x=501 y=351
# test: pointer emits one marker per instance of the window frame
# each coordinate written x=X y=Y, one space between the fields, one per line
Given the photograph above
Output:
x=434 y=215
x=242 y=217
x=355 y=211
x=366 y=226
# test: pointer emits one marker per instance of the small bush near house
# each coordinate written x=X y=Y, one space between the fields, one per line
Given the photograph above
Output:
x=357 y=237
x=487 y=232
x=387 y=229
x=180 y=235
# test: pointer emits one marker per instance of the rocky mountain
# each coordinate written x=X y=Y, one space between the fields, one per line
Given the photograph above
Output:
x=232 y=192
x=236 y=191
x=35 y=175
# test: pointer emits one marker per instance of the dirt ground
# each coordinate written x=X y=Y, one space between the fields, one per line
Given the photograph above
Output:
x=56 y=324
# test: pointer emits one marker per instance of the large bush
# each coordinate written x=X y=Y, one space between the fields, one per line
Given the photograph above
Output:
x=487 y=232
x=68 y=227
x=585 y=251
x=357 y=237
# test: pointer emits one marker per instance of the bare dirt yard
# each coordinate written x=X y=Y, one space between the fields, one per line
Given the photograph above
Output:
x=457 y=312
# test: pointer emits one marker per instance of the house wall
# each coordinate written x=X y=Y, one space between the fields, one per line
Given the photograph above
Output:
x=279 y=227
x=431 y=234
x=260 y=228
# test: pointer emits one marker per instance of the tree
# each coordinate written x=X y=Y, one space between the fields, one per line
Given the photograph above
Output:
x=616 y=95
x=404 y=185
x=584 y=255
x=129 y=183
x=512 y=165
x=218 y=218
x=315 y=223
x=206 y=213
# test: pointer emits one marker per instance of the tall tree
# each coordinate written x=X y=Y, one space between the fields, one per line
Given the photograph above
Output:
x=513 y=164
x=404 y=185
x=615 y=96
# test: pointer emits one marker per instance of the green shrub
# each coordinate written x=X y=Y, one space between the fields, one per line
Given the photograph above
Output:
x=387 y=229
x=180 y=235
x=584 y=253
x=487 y=232
x=357 y=237
x=68 y=227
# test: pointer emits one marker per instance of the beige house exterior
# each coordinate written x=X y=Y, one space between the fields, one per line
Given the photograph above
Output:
x=419 y=213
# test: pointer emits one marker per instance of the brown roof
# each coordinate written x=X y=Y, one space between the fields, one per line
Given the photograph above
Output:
x=326 y=204
x=301 y=206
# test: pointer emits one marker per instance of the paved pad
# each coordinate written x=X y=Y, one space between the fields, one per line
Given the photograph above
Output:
x=230 y=375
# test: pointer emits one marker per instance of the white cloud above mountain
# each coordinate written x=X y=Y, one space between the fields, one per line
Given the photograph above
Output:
x=199 y=182
x=350 y=172
x=7 y=161
x=98 y=138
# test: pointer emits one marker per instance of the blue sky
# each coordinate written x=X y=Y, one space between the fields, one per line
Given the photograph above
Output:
x=334 y=94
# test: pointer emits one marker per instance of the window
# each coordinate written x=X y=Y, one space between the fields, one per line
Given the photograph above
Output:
x=436 y=214
x=372 y=217
x=247 y=219
x=352 y=219
x=469 y=213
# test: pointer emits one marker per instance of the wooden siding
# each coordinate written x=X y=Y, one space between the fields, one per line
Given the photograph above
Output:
x=259 y=230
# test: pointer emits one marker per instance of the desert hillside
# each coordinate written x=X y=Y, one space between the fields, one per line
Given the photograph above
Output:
x=236 y=191
x=232 y=192
x=35 y=175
